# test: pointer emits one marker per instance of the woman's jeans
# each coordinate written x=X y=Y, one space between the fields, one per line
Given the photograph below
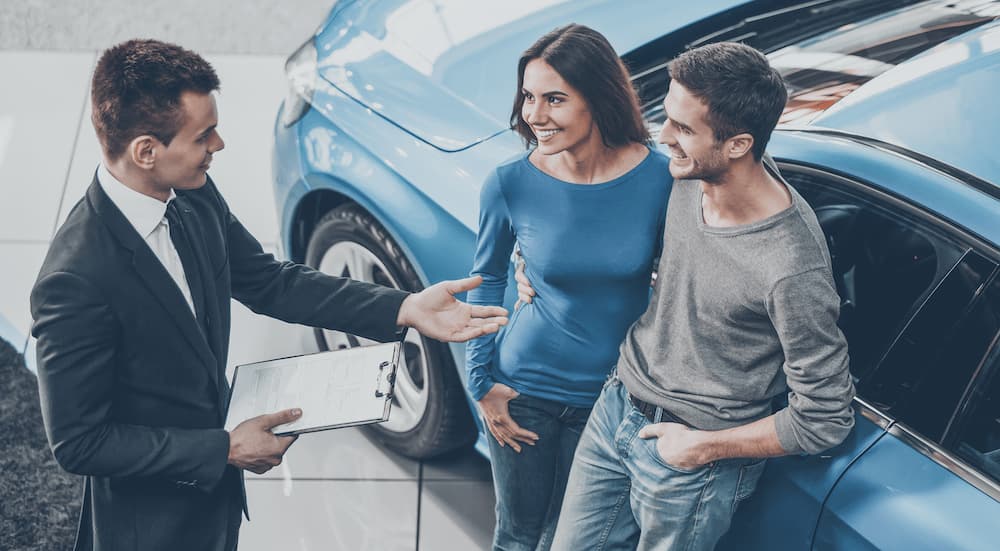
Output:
x=621 y=494
x=529 y=485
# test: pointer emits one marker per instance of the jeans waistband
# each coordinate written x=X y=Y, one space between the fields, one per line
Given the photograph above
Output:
x=654 y=413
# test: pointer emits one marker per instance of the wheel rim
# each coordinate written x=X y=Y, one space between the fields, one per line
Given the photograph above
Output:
x=409 y=401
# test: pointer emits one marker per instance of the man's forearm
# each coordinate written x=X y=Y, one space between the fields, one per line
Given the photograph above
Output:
x=757 y=439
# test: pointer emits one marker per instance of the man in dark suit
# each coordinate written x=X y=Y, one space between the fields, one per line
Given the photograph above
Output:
x=132 y=316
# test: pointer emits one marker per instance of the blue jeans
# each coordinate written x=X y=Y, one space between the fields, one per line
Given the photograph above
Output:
x=621 y=494
x=529 y=485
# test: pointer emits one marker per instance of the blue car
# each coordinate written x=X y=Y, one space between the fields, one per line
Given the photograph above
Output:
x=397 y=110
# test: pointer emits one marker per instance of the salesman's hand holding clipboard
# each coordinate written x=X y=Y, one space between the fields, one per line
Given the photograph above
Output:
x=335 y=389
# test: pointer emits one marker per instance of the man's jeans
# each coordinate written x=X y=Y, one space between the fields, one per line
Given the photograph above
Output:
x=529 y=485
x=621 y=494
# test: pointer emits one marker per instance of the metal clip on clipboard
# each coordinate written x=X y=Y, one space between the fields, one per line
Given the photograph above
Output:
x=385 y=380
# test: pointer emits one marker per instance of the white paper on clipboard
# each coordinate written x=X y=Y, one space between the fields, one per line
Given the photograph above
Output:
x=340 y=388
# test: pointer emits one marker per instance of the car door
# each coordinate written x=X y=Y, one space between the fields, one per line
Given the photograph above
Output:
x=888 y=261
x=932 y=482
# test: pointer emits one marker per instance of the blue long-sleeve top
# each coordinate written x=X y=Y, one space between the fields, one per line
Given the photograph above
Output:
x=589 y=251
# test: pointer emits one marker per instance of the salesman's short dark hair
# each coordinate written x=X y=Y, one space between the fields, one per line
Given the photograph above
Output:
x=136 y=91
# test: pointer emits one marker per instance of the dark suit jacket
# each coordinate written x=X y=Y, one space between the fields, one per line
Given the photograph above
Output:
x=133 y=390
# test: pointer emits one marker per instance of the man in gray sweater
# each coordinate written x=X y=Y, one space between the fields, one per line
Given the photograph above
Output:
x=745 y=308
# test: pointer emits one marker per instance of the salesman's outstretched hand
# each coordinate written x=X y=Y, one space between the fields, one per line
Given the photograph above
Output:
x=437 y=314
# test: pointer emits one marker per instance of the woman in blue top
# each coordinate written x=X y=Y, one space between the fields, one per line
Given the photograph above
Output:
x=585 y=206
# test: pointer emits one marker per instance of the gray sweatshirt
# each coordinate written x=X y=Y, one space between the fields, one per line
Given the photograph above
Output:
x=735 y=315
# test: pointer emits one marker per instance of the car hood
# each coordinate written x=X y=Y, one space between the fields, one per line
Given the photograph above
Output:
x=445 y=70
x=940 y=104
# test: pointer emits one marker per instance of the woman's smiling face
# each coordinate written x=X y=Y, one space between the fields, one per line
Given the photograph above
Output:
x=557 y=113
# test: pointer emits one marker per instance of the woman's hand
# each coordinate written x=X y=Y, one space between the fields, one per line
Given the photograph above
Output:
x=501 y=425
x=525 y=291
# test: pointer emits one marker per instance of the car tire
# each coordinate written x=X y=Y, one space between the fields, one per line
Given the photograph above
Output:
x=430 y=415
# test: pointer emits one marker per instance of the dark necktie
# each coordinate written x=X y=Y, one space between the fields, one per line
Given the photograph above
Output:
x=181 y=240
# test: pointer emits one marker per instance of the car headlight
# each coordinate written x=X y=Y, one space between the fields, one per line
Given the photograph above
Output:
x=300 y=70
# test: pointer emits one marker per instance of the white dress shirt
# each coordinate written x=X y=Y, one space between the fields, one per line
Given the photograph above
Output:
x=146 y=215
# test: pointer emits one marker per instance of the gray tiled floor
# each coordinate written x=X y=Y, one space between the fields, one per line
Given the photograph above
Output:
x=332 y=514
x=336 y=489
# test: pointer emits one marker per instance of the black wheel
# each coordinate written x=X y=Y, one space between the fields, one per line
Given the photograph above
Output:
x=429 y=415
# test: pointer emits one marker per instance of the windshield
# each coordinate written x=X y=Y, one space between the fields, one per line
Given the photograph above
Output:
x=822 y=69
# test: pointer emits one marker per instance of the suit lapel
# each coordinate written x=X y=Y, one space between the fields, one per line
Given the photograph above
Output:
x=211 y=300
x=153 y=275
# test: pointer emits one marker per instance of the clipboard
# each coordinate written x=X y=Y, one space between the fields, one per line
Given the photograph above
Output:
x=335 y=389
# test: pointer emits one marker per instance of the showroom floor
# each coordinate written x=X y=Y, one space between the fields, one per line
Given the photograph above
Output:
x=336 y=489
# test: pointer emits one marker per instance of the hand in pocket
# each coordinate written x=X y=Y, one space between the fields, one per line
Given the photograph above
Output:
x=677 y=445
x=498 y=420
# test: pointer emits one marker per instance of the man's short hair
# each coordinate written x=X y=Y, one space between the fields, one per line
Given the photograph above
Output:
x=137 y=88
x=744 y=94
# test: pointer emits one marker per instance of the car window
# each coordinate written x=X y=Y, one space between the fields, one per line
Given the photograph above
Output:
x=885 y=262
x=922 y=378
x=911 y=308
x=977 y=439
